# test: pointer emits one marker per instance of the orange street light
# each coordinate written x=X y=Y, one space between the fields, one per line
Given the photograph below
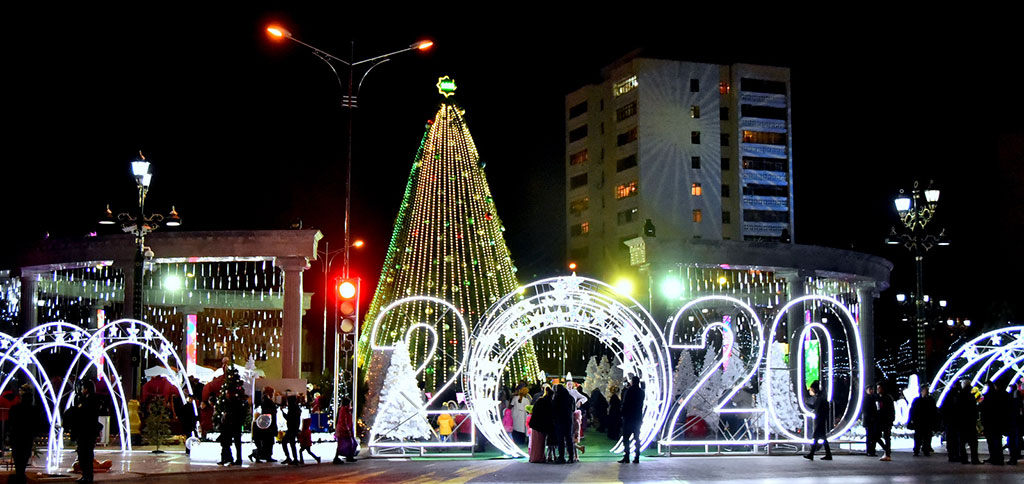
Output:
x=357 y=244
x=278 y=32
x=423 y=44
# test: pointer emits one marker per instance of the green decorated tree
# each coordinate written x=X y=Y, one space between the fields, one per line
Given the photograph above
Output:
x=158 y=423
x=232 y=381
x=448 y=243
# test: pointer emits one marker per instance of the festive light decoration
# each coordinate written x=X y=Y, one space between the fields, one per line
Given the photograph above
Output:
x=988 y=356
x=448 y=244
x=577 y=303
x=698 y=324
x=852 y=347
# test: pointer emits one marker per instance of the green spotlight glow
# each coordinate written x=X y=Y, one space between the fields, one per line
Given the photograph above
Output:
x=671 y=288
x=172 y=283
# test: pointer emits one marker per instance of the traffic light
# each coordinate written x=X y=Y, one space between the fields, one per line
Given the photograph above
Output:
x=348 y=304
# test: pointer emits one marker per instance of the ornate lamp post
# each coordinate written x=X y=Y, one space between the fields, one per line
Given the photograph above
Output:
x=139 y=224
x=915 y=211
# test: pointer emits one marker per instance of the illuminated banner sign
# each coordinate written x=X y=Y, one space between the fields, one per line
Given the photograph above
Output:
x=763 y=125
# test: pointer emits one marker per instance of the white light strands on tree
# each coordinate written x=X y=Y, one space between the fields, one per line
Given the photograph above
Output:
x=400 y=414
x=574 y=303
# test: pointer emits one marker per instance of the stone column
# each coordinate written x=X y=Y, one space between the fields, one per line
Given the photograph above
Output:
x=866 y=295
x=29 y=297
x=291 y=330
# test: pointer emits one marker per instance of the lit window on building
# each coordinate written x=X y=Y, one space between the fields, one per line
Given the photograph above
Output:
x=625 y=190
x=695 y=162
x=626 y=111
x=578 y=157
x=764 y=138
x=624 y=86
x=695 y=111
x=698 y=217
x=578 y=206
x=579 y=229
x=696 y=190
x=723 y=87
x=695 y=137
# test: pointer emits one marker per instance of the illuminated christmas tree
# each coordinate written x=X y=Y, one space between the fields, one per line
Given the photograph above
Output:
x=448 y=244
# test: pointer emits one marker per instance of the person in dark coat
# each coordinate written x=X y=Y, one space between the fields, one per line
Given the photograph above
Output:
x=541 y=426
x=994 y=408
x=85 y=428
x=1014 y=424
x=292 y=419
x=264 y=438
x=231 y=430
x=23 y=422
x=870 y=421
x=967 y=418
x=821 y=416
x=951 y=422
x=614 y=419
x=922 y=420
x=563 y=405
x=886 y=417
x=599 y=407
x=632 y=418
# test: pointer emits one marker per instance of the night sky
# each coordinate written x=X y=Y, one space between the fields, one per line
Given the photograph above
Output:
x=246 y=133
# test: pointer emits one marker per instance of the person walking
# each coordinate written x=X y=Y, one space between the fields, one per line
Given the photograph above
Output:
x=967 y=418
x=519 y=404
x=23 y=421
x=632 y=418
x=347 y=445
x=994 y=408
x=306 y=440
x=86 y=428
x=870 y=421
x=821 y=416
x=886 y=417
x=263 y=437
x=292 y=419
x=231 y=430
x=922 y=421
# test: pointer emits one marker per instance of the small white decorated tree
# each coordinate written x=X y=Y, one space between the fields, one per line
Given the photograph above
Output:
x=703 y=403
x=592 y=378
x=614 y=378
x=399 y=413
x=783 y=398
x=604 y=368
x=684 y=377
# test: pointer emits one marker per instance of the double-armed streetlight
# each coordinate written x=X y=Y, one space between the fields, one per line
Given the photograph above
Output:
x=915 y=211
x=139 y=224
x=349 y=101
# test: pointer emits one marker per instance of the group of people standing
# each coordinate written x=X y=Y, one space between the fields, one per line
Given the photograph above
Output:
x=265 y=430
x=552 y=422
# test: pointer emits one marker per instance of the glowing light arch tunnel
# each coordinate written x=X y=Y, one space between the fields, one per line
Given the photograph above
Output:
x=988 y=356
x=571 y=302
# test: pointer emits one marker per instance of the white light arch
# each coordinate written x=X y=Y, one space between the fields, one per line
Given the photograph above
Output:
x=122 y=332
x=576 y=303
x=671 y=433
x=854 y=351
x=23 y=359
x=976 y=359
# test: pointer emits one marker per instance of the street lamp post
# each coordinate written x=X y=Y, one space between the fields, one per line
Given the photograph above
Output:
x=139 y=224
x=915 y=211
x=348 y=101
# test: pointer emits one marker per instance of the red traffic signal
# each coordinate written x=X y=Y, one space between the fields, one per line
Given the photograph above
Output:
x=348 y=304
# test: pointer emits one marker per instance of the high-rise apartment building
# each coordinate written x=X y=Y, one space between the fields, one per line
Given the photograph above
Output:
x=702 y=151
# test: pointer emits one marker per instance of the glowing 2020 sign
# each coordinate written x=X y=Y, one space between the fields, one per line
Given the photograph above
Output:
x=578 y=303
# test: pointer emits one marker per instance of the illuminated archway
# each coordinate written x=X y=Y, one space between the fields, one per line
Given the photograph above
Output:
x=123 y=332
x=990 y=355
x=577 y=303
